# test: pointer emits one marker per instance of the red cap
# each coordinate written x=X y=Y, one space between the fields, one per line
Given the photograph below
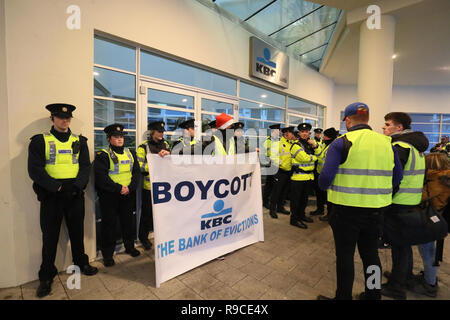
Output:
x=223 y=121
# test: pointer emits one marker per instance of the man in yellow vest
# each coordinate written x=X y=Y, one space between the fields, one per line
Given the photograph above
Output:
x=303 y=154
x=116 y=175
x=59 y=165
x=360 y=171
x=281 y=157
x=410 y=147
x=155 y=144
x=222 y=141
x=268 y=185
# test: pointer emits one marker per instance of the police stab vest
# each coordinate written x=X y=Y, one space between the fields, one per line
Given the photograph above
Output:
x=60 y=161
x=120 y=166
x=321 y=158
x=285 y=159
x=411 y=186
x=141 y=155
x=302 y=163
x=365 y=178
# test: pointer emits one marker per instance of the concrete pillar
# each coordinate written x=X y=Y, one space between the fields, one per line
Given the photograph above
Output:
x=375 y=74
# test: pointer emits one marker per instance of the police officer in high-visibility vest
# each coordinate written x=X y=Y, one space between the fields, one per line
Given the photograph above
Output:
x=155 y=144
x=274 y=138
x=116 y=176
x=318 y=136
x=186 y=143
x=59 y=165
x=410 y=147
x=281 y=157
x=303 y=160
x=360 y=171
x=329 y=135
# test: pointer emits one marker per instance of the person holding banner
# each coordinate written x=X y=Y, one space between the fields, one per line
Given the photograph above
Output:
x=116 y=173
x=155 y=144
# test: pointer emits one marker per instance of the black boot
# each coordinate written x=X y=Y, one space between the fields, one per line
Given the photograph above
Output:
x=132 y=252
x=108 y=262
x=273 y=214
x=299 y=224
x=88 y=270
x=146 y=244
x=282 y=210
x=307 y=219
x=44 y=289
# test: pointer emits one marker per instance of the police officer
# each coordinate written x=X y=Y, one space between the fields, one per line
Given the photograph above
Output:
x=329 y=136
x=360 y=171
x=155 y=144
x=318 y=135
x=274 y=138
x=59 y=165
x=186 y=143
x=116 y=174
x=283 y=160
x=222 y=141
x=303 y=160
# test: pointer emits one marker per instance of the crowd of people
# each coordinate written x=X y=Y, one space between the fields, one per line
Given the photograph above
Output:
x=357 y=177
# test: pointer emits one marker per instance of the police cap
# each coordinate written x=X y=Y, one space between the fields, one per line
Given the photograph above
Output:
x=114 y=129
x=331 y=133
x=275 y=126
x=212 y=124
x=61 y=110
x=237 y=125
x=304 y=127
x=157 y=125
x=318 y=130
x=187 y=124
x=287 y=129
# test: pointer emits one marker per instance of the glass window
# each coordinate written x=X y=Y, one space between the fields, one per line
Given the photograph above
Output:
x=170 y=117
x=425 y=127
x=114 y=55
x=101 y=142
x=445 y=128
x=170 y=70
x=242 y=8
x=217 y=106
x=446 y=118
x=260 y=111
x=258 y=94
x=301 y=106
x=114 y=84
x=313 y=123
x=295 y=120
x=107 y=112
x=164 y=98
x=255 y=124
x=425 y=117
x=432 y=138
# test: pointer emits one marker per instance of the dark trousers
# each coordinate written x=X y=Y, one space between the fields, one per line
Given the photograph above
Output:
x=402 y=256
x=146 y=222
x=113 y=206
x=353 y=226
x=321 y=196
x=281 y=183
x=53 y=209
x=268 y=186
x=299 y=198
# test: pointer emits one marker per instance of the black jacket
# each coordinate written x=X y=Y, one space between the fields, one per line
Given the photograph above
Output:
x=43 y=183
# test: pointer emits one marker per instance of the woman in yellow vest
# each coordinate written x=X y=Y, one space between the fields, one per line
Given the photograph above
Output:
x=155 y=144
x=116 y=172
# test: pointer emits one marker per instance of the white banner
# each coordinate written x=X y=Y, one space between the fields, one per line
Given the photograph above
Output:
x=202 y=211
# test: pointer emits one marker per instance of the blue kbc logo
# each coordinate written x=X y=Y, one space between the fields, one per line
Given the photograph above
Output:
x=214 y=219
x=265 y=67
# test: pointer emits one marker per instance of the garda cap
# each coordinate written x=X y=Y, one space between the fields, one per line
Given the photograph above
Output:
x=114 y=129
x=61 y=110
x=304 y=127
x=157 y=125
x=187 y=124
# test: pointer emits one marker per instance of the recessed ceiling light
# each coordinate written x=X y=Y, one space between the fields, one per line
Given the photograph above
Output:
x=184 y=100
x=264 y=96
x=394 y=56
x=96 y=73
x=260 y=105
x=444 y=68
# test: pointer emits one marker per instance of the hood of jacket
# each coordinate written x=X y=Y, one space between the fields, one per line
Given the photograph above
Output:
x=415 y=138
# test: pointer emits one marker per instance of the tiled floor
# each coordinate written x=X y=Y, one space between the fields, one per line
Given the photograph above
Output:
x=290 y=264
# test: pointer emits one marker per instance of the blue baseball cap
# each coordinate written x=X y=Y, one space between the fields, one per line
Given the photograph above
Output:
x=356 y=108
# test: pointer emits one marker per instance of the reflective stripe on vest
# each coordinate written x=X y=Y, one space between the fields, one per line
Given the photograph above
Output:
x=365 y=178
x=60 y=161
x=411 y=186
x=285 y=154
x=321 y=159
x=120 y=172
x=304 y=165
